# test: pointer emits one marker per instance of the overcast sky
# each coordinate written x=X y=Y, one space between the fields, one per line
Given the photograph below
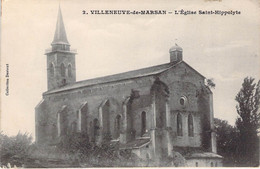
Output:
x=225 y=48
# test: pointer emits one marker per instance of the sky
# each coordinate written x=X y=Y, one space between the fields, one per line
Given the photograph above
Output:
x=225 y=48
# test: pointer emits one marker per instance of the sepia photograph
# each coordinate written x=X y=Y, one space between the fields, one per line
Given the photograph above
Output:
x=88 y=84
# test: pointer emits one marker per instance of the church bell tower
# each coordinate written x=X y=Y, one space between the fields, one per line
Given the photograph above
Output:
x=61 y=67
x=175 y=53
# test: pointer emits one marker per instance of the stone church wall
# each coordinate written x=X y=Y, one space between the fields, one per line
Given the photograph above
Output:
x=181 y=80
x=168 y=103
x=202 y=162
x=184 y=82
x=94 y=96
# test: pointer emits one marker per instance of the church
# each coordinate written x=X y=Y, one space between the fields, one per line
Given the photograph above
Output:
x=154 y=112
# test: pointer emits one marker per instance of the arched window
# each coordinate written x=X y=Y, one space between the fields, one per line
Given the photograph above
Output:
x=58 y=124
x=147 y=156
x=179 y=55
x=69 y=71
x=197 y=164
x=173 y=56
x=117 y=126
x=143 y=118
x=51 y=68
x=62 y=70
x=96 y=127
x=74 y=127
x=79 y=120
x=91 y=130
x=62 y=123
x=211 y=164
x=53 y=134
x=190 y=126
x=179 y=124
x=183 y=100
x=63 y=81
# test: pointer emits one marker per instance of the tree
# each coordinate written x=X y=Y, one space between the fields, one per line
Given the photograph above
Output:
x=227 y=138
x=14 y=149
x=248 y=121
x=210 y=83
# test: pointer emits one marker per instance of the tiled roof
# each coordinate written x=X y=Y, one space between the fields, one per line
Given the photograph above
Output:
x=204 y=155
x=121 y=76
x=175 y=48
x=195 y=152
x=117 y=77
x=137 y=143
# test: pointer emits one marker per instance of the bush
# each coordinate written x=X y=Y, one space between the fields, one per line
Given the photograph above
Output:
x=15 y=149
x=88 y=154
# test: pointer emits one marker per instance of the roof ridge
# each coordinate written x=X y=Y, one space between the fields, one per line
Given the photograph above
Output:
x=124 y=72
x=116 y=77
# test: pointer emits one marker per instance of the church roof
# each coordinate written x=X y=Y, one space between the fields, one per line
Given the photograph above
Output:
x=195 y=152
x=135 y=144
x=60 y=36
x=149 y=71
x=203 y=155
x=175 y=48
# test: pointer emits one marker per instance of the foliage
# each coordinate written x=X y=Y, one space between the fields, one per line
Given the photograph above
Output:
x=73 y=143
x=89 y=154
x=248 y=122
x=73 y=150
x=15 y=149
x=210 y=83
x=227 y=141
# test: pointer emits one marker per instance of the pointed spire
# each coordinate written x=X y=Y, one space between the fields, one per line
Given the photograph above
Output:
x=60 y=36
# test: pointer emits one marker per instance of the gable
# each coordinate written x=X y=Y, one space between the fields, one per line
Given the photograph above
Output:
x=182 y=72
x=183 y=65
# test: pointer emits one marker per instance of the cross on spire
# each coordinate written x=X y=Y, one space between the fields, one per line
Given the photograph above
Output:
x=176 y=41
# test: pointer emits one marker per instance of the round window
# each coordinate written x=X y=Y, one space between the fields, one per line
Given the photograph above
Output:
x=183 y=100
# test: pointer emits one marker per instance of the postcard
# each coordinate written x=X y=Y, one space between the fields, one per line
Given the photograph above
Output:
x=130 y=83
